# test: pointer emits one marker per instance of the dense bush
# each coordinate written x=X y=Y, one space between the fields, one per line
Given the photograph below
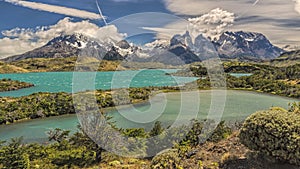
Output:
x=35 y=105
x=275 y=133
x=14 y=156
x=166 y=159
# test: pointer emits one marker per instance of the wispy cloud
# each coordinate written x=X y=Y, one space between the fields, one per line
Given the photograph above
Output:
x=20 y=40
x=56 y=9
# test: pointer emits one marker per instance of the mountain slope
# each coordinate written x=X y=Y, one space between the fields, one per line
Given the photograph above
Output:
x=230 y=45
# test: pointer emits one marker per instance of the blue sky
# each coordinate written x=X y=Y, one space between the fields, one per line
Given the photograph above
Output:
x=41 y=19
x=17 y=16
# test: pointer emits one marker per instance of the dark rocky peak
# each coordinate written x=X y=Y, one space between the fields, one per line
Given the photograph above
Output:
x=123 y=44
x=246 y=44
x=184 y=39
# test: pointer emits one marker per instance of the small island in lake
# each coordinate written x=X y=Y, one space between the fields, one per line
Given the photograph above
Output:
x=9 y=85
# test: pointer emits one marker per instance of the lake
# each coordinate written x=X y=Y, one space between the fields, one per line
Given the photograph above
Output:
x=62 y=81
x=240 y=74
x=166 y=106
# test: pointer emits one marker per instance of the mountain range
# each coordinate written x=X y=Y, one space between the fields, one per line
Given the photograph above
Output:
x=180 y=49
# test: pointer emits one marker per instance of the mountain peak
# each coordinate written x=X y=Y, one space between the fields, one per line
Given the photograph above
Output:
x=76 y=40
x=242 y=44
x=75 y=45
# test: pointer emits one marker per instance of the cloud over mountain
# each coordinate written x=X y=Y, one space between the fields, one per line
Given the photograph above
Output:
x=211 y=24
x=20 y=40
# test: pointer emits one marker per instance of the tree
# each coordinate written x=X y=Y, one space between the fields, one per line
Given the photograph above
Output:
x=294 y=107
x=58 y=135
x=157 y=129
x=80 y=138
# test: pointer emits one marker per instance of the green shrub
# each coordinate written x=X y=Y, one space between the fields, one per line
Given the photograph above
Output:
x=166 y=159
x=274 y=133
x=114 y=163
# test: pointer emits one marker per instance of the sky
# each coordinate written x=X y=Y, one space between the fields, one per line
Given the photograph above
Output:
x=26 y=25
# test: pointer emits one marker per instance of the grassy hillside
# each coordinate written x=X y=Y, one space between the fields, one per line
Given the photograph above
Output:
x=8 y=68
x=68 y=64
x=65 y=64
x=58 y=64
x=286 y=59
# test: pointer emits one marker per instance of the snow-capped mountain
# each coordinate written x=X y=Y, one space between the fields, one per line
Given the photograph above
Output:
x=230 y=45
x=181 y=49
x=192 y=51
x=78 y=45
x=182 y=46
x=246 y=45
x=158 y=44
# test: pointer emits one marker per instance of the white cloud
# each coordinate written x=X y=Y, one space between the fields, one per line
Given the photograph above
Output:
x=56 y=9
x=199 y=7
x=20 y=40
x=211 y=24
x=297 y=6
x=169 y=30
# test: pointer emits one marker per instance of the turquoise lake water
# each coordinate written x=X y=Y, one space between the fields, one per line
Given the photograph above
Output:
x=62 y=81
x=240 y=74
x=239 y=105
